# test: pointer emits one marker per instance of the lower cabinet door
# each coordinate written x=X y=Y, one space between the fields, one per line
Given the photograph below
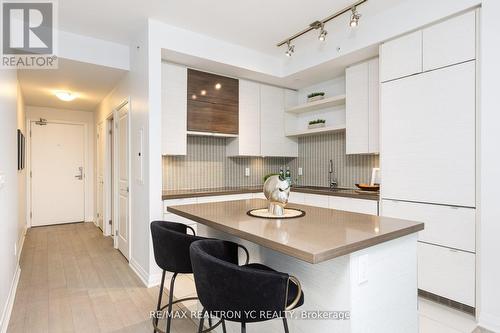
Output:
x=354 y=205
x=448 y=226
x=316 y=200
x=446 y=272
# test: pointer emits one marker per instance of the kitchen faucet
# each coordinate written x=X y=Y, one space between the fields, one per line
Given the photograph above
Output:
x=332 y=180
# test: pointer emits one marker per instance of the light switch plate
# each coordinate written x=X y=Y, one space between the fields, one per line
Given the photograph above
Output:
x=300 y=172
x=247 y=172
x=2 y=180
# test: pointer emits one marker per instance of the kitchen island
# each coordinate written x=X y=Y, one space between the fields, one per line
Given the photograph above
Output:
x=358 y=270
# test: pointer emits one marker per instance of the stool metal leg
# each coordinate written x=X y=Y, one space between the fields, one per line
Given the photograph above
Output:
x=285 y=325
x=159 y=298
x=243 y=327
x=202 y=319
x=170 y=304
x=223 y=322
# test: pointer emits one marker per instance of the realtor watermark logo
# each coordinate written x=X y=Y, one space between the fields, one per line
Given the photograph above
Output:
x=28 y=34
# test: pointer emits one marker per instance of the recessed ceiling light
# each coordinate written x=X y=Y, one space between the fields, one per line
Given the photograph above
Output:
x=65 y=96
x=218 y=86
x=203 y=92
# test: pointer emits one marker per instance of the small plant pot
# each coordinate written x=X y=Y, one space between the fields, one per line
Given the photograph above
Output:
x=318 y=125
x=315 y=98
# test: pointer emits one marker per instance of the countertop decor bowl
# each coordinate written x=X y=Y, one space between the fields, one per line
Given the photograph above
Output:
x=368 y=187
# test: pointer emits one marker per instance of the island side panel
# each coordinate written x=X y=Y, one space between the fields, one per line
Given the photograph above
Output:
x=384 y=287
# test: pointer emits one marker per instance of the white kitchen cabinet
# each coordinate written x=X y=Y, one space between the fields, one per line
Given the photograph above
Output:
x=428 y=137
x=450 y=42
x=174 y=109
x=401 y=57
x=316 y=200
x=258 y=195
x=248 y=141
x=273 y=141
x=362 y=108
x=448 y=226
x=296 y=197
x=353 y=205
x=447 y=272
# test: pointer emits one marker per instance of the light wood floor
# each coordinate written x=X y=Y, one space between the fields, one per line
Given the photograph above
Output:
x=72 y=280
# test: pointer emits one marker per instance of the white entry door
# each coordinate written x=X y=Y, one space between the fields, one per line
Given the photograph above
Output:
x=100 y=176
x=122 y=155
x=57 y=171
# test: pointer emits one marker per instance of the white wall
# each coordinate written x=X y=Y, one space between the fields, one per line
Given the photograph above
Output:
x=8 y=193
x=33 y=113
x=92 y=50
x=489 y=233
x=21 y=174
x=135 y=85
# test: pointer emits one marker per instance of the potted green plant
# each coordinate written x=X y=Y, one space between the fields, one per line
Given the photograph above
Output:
x=318 y=123
x=316 y=96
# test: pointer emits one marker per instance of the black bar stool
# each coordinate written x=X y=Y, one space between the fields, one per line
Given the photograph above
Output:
x=244 y=292
x=171 y=250
x=171 y=244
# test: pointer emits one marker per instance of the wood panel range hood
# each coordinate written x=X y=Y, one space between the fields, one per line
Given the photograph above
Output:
x=212 y=103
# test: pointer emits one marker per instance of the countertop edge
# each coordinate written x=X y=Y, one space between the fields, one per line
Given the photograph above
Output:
x=308 y=257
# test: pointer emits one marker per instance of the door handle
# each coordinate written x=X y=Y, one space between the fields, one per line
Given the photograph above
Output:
x=80 y=175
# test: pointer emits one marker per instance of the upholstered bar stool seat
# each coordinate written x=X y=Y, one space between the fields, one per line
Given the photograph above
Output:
x=243 y=294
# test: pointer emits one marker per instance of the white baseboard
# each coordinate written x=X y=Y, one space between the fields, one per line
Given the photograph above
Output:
x=20 y=245
x=149 y=280
x=490 y=322
x=4 y=323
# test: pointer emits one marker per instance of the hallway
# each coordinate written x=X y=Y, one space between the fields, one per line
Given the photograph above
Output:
x=72 y=280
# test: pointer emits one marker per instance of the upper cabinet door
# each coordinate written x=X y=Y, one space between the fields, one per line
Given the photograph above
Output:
x=248 y=141
x=212 y=103
x=374 y=106
x=362 y=108
x=357 y=105
x=450 y=42
x=428 y=137
x=174 y=109
x=272 y=124
x=401 y=57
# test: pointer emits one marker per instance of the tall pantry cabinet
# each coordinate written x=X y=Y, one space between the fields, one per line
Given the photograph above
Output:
x=428 y=149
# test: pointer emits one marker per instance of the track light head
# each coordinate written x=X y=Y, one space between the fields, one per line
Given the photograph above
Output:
x=354 y=22
x=290 y=49
x=322 y=33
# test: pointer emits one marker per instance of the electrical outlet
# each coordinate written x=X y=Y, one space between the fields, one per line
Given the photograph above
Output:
x=247 y=172
x=362 y=269
x=300 y=172
x=15 y=249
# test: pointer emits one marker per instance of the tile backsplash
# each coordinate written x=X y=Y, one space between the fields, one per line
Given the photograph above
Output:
x=206 y=164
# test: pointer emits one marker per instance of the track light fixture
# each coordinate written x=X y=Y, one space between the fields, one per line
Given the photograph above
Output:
x=354 y=17
x=290 y=49
x=322 y=33
x=354 y=22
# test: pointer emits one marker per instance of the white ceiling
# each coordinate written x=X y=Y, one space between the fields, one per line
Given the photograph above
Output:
x=91 y=83
x=256 y=24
